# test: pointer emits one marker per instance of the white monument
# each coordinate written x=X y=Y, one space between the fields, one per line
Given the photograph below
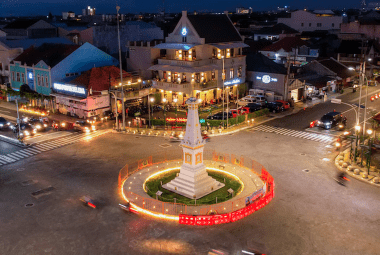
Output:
x=193 y=180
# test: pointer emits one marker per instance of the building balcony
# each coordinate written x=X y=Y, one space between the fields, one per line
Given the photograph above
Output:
x=185 y=87
x=186 y=63
x=206 y=85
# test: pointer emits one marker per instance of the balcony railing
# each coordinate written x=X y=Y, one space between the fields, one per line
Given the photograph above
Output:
x=177 y=87
x=174 y=62
x=205 y=85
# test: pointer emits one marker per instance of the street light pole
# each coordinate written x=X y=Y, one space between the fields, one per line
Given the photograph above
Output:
x=164 y=101
x=175 y=101
x=121 y=70
x=223 y=76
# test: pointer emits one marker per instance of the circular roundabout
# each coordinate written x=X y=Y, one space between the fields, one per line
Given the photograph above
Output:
x=245 y=190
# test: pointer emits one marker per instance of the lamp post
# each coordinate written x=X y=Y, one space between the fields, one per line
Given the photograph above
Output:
x=357 y=129
x=121 y=70
x=175 y=102
x=150 y=100
x=223 y=76
x=164 y=101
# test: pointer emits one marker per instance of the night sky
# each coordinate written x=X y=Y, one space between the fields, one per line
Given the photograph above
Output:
x=42 y=7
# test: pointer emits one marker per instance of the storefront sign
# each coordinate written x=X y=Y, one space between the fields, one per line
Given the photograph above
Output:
x=231 y=82
x=69 y=88
x=202 y=121
x=169 y=119
x=266 y=78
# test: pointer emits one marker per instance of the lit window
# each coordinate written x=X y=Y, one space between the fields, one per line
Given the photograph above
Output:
x=228 y=53
x=231 y=73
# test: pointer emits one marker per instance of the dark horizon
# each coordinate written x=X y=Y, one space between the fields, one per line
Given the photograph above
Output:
x=32 y=8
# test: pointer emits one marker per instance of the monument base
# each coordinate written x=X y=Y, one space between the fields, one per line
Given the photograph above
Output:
x=193 y=184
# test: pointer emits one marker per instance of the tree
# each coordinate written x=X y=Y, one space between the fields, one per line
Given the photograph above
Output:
x=50 y=16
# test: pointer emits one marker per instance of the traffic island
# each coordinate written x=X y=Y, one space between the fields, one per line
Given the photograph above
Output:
x=139 y=183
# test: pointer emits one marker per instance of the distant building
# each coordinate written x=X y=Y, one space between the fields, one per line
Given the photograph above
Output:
x=242 y=10
x=373 y=6
x=88 y=11
x=41 y=67
x=105 y=36
x=68 y=15
x=29 y=28
x=290 y=49
x=275 y=32
x=307 y=21
x=368 y=25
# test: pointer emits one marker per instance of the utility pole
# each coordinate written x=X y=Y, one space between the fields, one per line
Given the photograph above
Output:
x=121 y=70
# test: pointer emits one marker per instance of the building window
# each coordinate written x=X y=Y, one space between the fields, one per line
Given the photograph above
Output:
x=319 y=24
x=46 y=82
x=333 y=25
x=301 y=24
x=240 y=71
x=23 y=77
x=18 y=76
x=178 y=54
x=231 y=73
x=224 y=74
x=38 y=80
x=309 y=24
x=212 y=75
x=13 y=75
x=184 y=39
x=228 y=55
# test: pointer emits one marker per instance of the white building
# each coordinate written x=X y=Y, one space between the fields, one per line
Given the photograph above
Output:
x=196 y=52
x=307 y=21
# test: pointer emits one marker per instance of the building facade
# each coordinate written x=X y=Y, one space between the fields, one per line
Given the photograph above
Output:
x=40 y=67
x=201 y=56
x=307 y=21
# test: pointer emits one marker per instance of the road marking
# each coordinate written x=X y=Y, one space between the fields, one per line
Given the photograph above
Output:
x=294 y=133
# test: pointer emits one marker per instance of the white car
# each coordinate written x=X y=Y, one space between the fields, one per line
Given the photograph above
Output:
x=247 y=100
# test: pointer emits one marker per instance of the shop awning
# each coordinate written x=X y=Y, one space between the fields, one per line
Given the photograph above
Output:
x=183 y=69
x=175 y=46
x=229 y=45
x=319 y=82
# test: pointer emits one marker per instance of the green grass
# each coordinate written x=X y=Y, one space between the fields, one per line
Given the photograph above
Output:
x=154 y=184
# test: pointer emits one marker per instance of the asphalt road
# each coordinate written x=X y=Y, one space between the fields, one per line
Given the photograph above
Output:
x=310 y=214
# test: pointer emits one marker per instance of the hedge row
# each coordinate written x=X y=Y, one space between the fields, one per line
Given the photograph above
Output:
x=216 y=123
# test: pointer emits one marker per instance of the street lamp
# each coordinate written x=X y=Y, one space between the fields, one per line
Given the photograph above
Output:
x=120 y=63
x=150 y=100
x=369 y=131
x=117 y=115
x=175 y=102
x=223 y=77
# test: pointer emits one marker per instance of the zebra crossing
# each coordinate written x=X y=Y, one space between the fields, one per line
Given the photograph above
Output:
x=49 y=145
x=299 y=134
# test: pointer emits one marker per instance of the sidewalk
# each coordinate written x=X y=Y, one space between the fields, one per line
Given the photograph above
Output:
x=343 y=163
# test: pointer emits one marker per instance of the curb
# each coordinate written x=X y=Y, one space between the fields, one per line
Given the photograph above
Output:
x=13 y=141
x=357 y=177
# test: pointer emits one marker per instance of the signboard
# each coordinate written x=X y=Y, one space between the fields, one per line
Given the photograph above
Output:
x=232 y=82
x=169 y=119
x=336 y=101
x=72 y=89
x=266 y=79
x=184 y=31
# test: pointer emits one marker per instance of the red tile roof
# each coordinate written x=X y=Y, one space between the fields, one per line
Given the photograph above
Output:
x=100 y=78
x=287 y=43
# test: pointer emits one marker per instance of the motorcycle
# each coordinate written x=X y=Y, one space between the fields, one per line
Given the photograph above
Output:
x=341 y=179
x=87 y=201
x=206 y=138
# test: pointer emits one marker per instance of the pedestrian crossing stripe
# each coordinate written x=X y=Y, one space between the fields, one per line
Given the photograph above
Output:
x=47 y=146
x=294 y=133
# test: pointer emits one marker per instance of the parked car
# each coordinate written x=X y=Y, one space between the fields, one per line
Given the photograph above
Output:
x=4 y=124
x=254 y=107
x=332 y=119
x=234 y=112
x=285 y=104
x=83 y=126
x=247 y=99
x=261 y=100
x=244 y=110
x=274 y=106
x=219 y=116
